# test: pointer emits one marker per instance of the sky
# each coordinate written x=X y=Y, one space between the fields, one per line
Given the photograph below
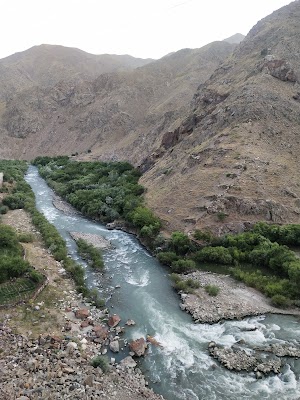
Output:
x=141 y=28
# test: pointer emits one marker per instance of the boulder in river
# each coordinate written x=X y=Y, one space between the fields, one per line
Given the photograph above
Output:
x=138 y=347
x=113 y=320
x=128 y=362
x=153 y=341
x=130 y=322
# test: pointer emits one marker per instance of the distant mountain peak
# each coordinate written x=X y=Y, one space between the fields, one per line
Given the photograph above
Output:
x=235 y=39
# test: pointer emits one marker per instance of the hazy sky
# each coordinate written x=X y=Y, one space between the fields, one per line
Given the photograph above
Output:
x=142 y=28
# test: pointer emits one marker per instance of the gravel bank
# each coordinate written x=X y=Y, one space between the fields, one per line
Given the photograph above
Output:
x=234 y=301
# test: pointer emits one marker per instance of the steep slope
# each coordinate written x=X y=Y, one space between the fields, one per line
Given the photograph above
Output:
x=46 y=65
x=235 y=157
x=118 y=115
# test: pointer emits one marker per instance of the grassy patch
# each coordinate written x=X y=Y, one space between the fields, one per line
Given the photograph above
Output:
x=16 y=290
x=212 y=290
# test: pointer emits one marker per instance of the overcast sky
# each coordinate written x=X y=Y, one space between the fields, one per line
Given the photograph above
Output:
x=142 y=28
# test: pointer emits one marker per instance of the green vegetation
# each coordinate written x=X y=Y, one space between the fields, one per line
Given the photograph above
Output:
x=20 y=195
x=17 y=277
x=100 y=361
x=12 y=264
x=260 y=258
x=212 y=290
x=102 y=191
x=16 y=290
x=186 y=286
x=109 y=191
x=25 y=237
x=89 y=253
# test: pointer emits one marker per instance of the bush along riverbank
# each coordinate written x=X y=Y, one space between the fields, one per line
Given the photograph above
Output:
x=110 y=192
x=106 y=192
x=18 y=194
x=256 y=258
x=18 y=279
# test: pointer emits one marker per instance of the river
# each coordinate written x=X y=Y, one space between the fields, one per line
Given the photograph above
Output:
x=182 y=369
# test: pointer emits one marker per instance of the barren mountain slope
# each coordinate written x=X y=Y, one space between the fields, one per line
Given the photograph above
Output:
x=46 y=65
x=118 y=115
x=234 y=160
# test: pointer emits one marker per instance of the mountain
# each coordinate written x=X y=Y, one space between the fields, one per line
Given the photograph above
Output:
x=235 y=39
x=234 y=157
x=117 y=115
x=215 y=130
x=46 y=65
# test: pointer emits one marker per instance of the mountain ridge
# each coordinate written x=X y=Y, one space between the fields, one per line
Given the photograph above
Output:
x=214 y=130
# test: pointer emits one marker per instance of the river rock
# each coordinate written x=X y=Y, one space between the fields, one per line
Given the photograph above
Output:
x=153 y=341
x=82 y=313
x=114 y=346
x=113 y=320
x=128 y=362
x=130 y=322
x=138 y=347
x=101 y=332
x=239 y=360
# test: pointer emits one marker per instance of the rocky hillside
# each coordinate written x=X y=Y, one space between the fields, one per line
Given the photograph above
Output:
x=233 y=160
x=46 y=65
x=118 y=115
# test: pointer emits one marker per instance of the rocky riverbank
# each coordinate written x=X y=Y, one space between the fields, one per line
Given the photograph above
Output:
x=52 y=367
x=235 y=300
x=261 y=360
x=240 y=360
x=47 y=346
x=63 y=206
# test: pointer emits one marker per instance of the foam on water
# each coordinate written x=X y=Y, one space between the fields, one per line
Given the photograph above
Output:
x=142 y=280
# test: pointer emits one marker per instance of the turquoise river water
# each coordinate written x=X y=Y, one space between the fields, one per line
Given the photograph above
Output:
x=182 y=369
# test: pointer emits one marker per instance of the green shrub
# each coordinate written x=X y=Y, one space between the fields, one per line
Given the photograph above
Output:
x=145 y=220
x=3 y=209
x=279 y=300
x=205 y=236
x=100 y=361
x=167 y=257
x=25 y=237
x=192 y=284
x=183 y=265
x=91 y=254
x=175 y=277
x=221 y=216
x=180 y=243
x=36 y=276
x=212 y=290
x=218 y=254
